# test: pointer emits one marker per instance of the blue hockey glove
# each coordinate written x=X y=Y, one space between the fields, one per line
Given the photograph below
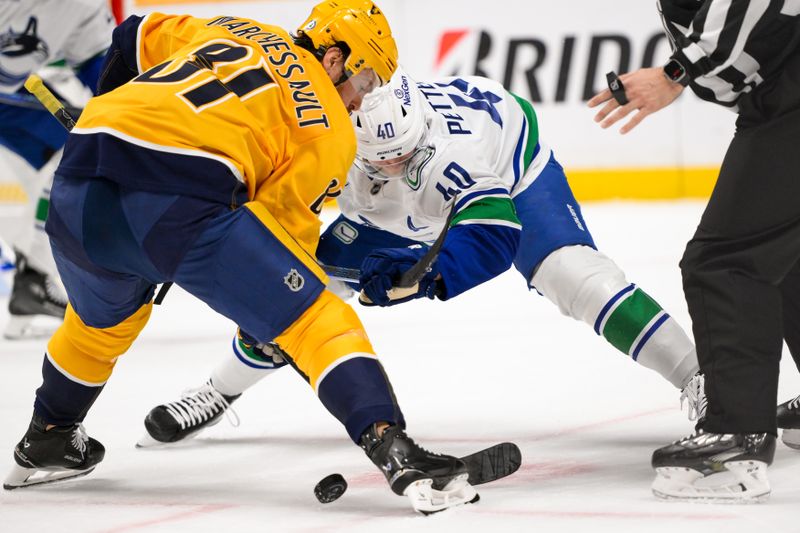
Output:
x=381 y=270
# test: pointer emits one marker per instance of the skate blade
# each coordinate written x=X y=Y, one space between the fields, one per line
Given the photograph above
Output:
x=29 y=327
x=21 y=477
x=427 y=500
x=791 y=438
x=741 y=482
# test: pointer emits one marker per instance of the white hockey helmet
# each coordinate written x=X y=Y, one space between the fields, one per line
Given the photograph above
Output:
x=391 y=127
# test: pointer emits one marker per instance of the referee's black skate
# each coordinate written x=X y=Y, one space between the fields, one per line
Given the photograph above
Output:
x=433 y=482
x=196 y=410
x=714 y=467
x=789 y=421
x=58 y=454
x=34 y=294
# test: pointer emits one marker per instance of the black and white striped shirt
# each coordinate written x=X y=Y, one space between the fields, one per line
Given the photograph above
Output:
x=729 y=47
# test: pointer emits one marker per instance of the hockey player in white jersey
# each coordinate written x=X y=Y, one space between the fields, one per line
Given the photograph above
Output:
x=468 y=143
x=34 y=34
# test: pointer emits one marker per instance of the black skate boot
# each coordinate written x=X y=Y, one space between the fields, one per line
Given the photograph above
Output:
x=196 y=410
x=63 y=452
x=432 y=481
x=34 y=294
x=789 y=421
x=715 y=467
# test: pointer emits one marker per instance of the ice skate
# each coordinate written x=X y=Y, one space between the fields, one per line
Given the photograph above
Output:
x=789 y=421
x=694 y=394
x=432 y=482
x=61 y=453
x=37 y=303
x=713 y=467
x=196 y=410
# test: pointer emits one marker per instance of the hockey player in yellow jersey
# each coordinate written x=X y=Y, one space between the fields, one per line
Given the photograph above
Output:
x=239 y=95
x=205 y=161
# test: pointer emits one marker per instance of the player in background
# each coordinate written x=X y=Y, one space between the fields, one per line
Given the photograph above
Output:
x=205 y=161
x=34 y=34
x=422 y=148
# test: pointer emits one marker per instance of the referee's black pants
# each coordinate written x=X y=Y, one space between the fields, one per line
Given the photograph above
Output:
x=741 y=270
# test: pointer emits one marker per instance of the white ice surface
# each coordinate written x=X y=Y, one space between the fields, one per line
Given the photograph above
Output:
x=498 y=363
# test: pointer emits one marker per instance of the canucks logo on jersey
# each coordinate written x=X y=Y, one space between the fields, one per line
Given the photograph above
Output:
x=20 y=45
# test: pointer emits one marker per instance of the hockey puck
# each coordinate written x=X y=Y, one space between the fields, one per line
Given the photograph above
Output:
x=330 y=488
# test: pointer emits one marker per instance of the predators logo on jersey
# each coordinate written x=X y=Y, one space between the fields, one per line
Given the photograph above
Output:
x=225 y=109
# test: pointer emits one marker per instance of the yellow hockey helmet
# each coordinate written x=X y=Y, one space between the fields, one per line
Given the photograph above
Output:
x=362 y=26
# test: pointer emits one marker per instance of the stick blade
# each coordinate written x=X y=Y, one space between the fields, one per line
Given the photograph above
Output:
x=493 y=463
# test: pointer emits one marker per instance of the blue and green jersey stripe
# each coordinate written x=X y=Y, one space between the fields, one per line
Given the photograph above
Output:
x=528 y=142
x=492 y=210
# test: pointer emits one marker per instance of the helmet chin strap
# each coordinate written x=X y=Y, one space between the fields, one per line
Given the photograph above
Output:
x=343 y=78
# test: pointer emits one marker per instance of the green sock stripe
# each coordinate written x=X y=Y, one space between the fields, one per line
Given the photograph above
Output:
x=249 y=353
x=533 y=127
x=41 y=209
x=489 y=208
x=629 y=319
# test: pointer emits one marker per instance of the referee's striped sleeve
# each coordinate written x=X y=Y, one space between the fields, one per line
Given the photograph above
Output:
x=717 y=35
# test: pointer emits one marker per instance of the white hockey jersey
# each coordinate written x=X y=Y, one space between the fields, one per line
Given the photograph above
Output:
x=34 y=33
x=484 y=144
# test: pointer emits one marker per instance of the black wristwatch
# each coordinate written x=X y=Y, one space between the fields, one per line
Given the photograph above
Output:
x=676 y=72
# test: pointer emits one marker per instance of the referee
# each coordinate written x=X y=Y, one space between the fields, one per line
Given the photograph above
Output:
x=740 y=271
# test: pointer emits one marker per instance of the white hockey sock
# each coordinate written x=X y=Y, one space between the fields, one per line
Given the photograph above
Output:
x=243 y=368
x=588 y=286
x=661 y=352
x=32 y=240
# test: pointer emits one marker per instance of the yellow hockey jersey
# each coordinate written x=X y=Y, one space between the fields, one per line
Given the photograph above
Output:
x=227 y=109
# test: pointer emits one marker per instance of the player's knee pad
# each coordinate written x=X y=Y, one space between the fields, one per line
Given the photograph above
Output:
x=89 y=354
x=579 y=280
x=329 y=346
x=325 y=334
